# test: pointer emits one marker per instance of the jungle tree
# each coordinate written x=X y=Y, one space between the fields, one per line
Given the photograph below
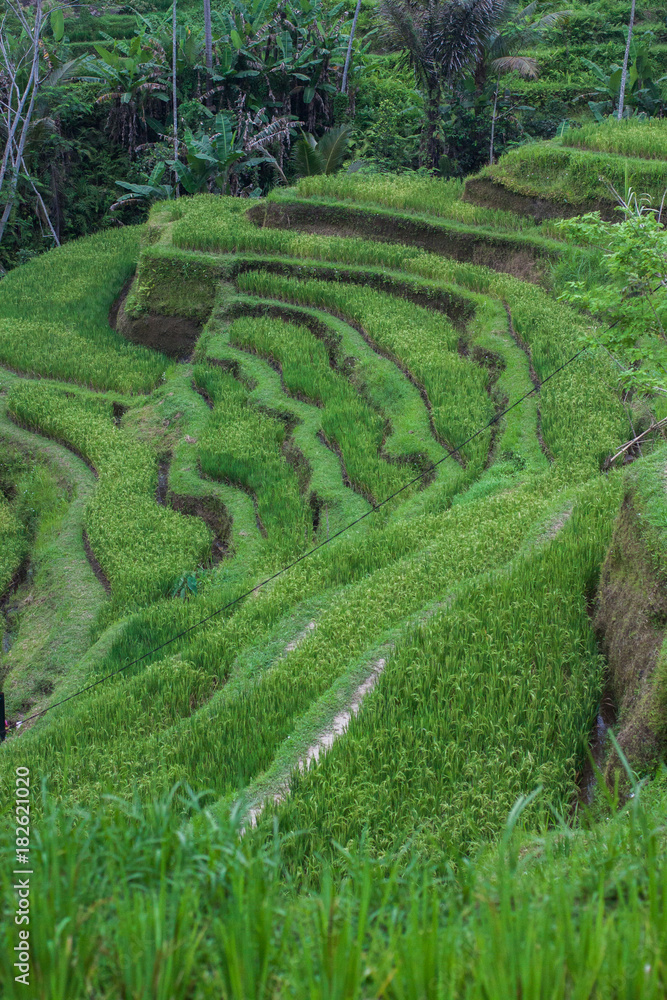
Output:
x=441 y=39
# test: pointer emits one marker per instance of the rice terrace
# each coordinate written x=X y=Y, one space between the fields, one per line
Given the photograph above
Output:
x=333 y=500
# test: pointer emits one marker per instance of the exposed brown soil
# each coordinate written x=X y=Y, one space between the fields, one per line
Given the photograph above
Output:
x=162 y=481
x=458 y=308
x=631 y=621
x=118 y=303
x=298 y=462
x=234 y=368
x=507 y=255
x=247 y=490
x=598 y=747
x=94 y=564
x=204 y=395
x=335 y=448
x=119 y=410
x=492 y=194
x=213 y=513
x=174 y=336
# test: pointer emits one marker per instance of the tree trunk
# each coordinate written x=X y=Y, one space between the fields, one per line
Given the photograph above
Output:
x=348 y=57
x=208 y=40
x=493 y=122
x=624 y=72
x=32 y=87
x=430 y=149
x=174 y=95
x=40 y=202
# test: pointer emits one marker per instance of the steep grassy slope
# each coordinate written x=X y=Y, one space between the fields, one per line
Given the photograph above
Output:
x=333 y=372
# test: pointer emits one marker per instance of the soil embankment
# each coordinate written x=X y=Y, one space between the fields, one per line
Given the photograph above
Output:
x=491 y=194
x=514 y=256
x=631 y=624
x=174 y=336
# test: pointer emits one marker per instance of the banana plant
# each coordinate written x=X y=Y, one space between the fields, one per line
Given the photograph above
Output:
x=642 y=92
x=213 y=161
x=133 y=74
x=152 y=190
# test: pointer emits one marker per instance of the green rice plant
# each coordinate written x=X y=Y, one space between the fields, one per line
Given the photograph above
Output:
x=560 y=172
x=13 y=544
x=478 y=706
x=428 y=196
x=551 y=330
x=644 y=137
x=54 y=316
x=29 y=496
x=244 y=446
x=254 y=713
x=347 y=421
x=140 y=546
x=421 y=342
x=206 y=226
x=525 y=919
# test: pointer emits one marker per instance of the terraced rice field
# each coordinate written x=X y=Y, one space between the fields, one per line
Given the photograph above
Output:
x=331 y=370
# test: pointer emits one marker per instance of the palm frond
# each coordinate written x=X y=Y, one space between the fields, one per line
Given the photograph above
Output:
x=461 y=30
x=554 y=18
x=332 y=147
x=525 y=66
x=306 y=157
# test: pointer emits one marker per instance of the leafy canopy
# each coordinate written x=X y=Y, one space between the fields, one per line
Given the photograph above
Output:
x=630 y=295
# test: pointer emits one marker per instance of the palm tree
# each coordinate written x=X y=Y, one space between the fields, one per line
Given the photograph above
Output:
x=441 y=39
x=501 y=54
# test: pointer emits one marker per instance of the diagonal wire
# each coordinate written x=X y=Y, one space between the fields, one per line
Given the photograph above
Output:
x=304 y=555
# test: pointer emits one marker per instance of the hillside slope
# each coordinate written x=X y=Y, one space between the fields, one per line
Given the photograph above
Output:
x=339 y=400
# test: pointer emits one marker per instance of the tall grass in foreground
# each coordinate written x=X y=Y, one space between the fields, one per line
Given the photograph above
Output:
x=128 y=903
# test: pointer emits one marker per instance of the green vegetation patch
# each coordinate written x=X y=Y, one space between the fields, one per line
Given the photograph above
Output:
x=425 y=196
x=635 y=137
x=54 y=316
x=140 y=545
x=575 y=177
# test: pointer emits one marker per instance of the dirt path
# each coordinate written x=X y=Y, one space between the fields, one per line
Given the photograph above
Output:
x=322 y=742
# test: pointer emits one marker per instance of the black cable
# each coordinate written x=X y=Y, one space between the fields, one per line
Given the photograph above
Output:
x=305 y=555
